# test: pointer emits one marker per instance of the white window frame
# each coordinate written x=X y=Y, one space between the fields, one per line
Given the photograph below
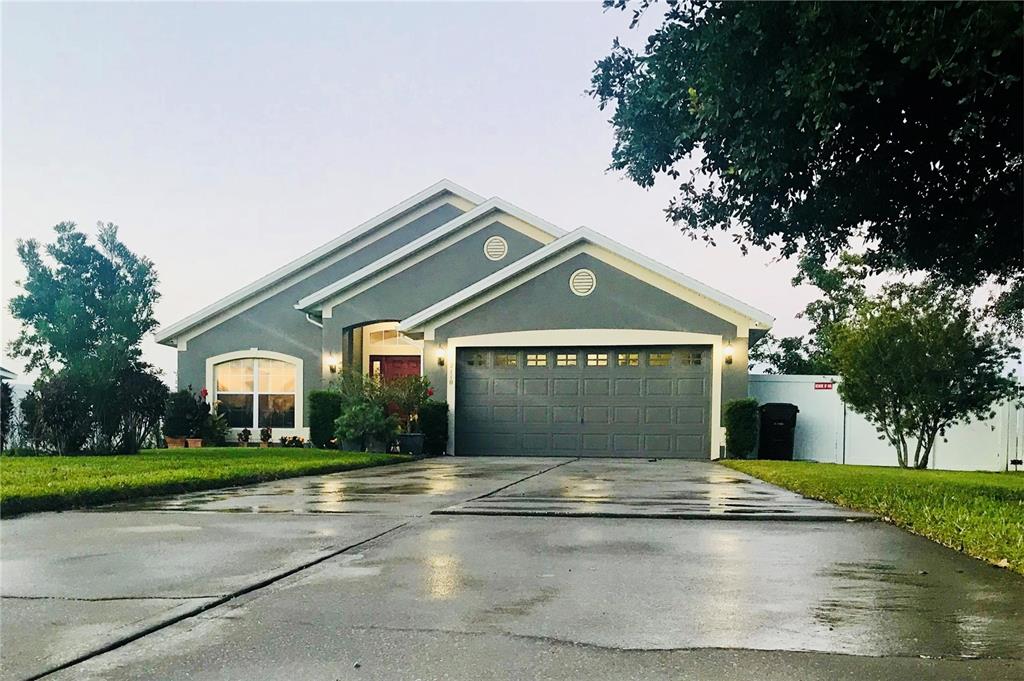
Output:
x=254 y=353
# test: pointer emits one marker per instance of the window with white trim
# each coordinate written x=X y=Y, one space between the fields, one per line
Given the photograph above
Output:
x=255 y=392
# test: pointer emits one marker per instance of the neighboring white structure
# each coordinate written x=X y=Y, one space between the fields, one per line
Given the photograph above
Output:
x=828 y=431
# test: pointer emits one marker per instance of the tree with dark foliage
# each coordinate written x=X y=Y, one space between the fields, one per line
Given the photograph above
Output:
x=817 y=126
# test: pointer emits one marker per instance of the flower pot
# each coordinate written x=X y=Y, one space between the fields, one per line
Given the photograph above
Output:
x=175 y=442
x=411 y=443
x=264 y=444
x=194 y=442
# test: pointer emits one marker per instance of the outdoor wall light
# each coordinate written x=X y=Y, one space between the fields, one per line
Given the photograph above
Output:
x=440 y=357
x=332 y=364
x=727 y=352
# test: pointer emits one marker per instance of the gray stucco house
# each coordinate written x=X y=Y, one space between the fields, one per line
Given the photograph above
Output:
x=542 y=341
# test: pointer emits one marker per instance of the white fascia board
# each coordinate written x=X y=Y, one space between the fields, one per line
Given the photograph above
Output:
x=7 y=375
x=761 y=318
x=757 y=318
x=167 y=335
x=313 y=302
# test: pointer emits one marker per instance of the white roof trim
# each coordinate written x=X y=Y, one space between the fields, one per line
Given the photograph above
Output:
x=492 y=205
x=583 y=234
x=7 y=375
x=168 y=334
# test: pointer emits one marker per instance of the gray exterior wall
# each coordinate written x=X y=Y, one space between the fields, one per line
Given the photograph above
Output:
x=276 y=325
x=444 y=273
x=620 y=301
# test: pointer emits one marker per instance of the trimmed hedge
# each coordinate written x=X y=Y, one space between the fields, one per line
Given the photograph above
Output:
x=433 y=418
x=740 y=428
x=324 y=409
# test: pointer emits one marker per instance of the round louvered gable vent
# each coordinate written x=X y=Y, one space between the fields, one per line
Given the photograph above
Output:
x=582 y=282
x=495 y=248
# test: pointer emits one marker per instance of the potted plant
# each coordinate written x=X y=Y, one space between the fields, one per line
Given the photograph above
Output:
x=200 y=421
x=243 y=437
x=367 y=425
x=409 y=394
x=266 y=432
x=215 y=427
x=183 y=417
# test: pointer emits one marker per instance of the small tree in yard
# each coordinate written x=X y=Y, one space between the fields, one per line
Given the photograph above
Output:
x=915 y=361
x=84 y=310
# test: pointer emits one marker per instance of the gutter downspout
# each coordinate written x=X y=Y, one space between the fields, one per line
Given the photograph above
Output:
x=309 y=318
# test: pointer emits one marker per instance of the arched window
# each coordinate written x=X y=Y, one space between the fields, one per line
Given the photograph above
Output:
x=258 y=389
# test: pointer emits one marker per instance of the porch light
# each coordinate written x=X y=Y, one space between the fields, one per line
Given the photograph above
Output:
x=727 y=352
x=440 y=357
x=332 y=363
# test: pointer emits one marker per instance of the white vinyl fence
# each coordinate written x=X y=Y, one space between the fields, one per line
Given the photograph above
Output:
x=827 y=430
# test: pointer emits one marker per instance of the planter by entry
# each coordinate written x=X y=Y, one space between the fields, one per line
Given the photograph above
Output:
x=264 y=444
x=411 y=443
x=175 y=442
x=194 y=442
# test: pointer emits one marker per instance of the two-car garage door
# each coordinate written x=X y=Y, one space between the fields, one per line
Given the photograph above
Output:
x=624 y=401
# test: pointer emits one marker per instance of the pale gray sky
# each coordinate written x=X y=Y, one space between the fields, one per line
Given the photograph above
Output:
x=228 y=139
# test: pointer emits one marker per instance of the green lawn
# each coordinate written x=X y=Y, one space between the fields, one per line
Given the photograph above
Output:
x=981 y=514
x=50 y=483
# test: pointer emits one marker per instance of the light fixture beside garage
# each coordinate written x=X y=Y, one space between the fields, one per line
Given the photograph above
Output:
x=727 y=352
x=582 y=282
x=495 y=248
x=440 y=357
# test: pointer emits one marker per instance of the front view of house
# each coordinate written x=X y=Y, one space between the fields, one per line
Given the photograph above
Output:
x=543 y=342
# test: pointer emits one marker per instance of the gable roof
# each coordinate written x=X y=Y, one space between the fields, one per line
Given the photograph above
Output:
x=168 y=334
x=490 y=206
x=582 y=235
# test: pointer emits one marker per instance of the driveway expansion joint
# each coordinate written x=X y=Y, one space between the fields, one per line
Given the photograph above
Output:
x=108 y=599
x=114 y=645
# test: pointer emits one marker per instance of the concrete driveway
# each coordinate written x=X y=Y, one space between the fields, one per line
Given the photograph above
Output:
x=498 y=568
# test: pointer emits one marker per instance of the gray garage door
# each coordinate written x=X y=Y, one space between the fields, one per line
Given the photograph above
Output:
x=625 y=401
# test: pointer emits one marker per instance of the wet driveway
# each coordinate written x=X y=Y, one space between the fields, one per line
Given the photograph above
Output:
x=498 y=568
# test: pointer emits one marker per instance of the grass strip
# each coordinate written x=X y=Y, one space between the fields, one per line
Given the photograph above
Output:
x=980 y=514
x=54 y=483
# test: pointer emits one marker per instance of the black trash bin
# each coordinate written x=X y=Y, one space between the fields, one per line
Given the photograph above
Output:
x=778 y=425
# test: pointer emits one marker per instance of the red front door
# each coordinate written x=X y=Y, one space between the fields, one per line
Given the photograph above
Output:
x=394 y=366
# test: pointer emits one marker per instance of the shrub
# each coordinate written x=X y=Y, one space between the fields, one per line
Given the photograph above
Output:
x=740 y=427
x=127 y=409
x=181 y=417
x=6 y=412
x=324 y=410
x=408 y=393
x=63 y=413
x=433 y=420
x=365 y=421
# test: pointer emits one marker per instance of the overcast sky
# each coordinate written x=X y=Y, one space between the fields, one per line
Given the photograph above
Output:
x=229 y=139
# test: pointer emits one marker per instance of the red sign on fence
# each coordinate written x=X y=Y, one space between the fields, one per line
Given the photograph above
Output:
x=824 y=385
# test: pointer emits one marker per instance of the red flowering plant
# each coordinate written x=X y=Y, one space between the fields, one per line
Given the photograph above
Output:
x=408 y=394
